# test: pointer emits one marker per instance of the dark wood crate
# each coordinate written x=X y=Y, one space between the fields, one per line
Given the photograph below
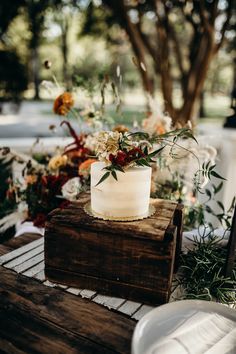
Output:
x=134 y=260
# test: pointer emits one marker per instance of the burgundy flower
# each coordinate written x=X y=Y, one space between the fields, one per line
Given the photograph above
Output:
x=121 y=158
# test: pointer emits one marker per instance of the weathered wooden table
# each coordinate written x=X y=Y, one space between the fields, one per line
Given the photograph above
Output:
x=37 y=316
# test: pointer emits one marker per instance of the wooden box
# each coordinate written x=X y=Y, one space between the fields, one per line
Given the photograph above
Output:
x=133 y=260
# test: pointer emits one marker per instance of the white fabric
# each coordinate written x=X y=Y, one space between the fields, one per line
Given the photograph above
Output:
x=201 y=333
x=28 y=227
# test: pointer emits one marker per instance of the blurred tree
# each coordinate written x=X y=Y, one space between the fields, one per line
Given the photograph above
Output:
x=166 y=35
x=13 y=76
x=36 y=11
x=63 y=16
x=7 y=13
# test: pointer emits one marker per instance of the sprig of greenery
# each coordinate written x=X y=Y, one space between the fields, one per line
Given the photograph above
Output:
x=202 y=272
x=111 y=170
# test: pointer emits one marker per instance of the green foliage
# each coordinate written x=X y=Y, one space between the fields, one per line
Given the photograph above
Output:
x=202 y=272
x=7 y=205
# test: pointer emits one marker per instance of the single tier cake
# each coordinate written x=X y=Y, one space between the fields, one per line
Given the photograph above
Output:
x=126 y=198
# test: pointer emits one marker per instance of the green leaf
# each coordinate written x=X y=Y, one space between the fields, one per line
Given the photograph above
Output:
x=118 y=168
x=105 y=176
x=188 y=134
x=207 y=165
x=144 y=162
x=221 y=205
x=141 y=135
x=114 y=175
x=232 y=204
x=208 y=209
x=145 y=150
x=208 y=193
x=154 y=153
x=216 y=175
x=218 y=188
x=211 y=168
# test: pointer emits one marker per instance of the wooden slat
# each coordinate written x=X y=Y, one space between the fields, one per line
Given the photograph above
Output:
x=24 y=257
x=110 y=302
x=129 y=307
x=18 y=252
x=34 y=270
x=49 y=284
x=29 y=263
x=35 y=318
x=88 y=294
x=74 y=291
x=40 y=276
x=17 y=242
x=64 y=287
x=141 y=312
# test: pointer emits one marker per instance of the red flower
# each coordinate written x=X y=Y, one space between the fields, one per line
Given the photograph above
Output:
x=121 y=158
x=134 y=154
x=112 y=158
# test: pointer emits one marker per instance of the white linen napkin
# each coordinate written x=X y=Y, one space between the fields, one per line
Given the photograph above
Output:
x=201 y=333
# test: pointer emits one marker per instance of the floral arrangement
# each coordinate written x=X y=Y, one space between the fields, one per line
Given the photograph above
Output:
x=122 y=150
x=44 y=186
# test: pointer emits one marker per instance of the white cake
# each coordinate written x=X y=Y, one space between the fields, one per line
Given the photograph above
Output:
x=127 y=197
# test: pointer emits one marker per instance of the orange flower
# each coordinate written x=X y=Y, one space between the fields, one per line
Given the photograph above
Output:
x=63 y=104
x=84 y=168
x=31 y=179
x=160 y=129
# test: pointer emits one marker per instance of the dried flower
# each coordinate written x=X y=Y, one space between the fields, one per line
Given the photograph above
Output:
x=120 y=128
x=63 y=104
x=157 y=122
x=57 y=162
x=84 y=168
x=107 y=144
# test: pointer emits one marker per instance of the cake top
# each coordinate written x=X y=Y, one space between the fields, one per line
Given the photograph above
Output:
x=100 y=165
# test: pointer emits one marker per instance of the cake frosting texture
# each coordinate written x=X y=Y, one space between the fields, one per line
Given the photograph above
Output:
x=127 y=197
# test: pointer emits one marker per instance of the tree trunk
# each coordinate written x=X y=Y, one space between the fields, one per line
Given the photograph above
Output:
x=35 y=72
x=202 y=112
x=195 y=80
x=65 y=50
x=139 y=50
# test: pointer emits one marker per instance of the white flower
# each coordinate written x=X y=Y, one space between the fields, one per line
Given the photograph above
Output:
x=71 y=189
